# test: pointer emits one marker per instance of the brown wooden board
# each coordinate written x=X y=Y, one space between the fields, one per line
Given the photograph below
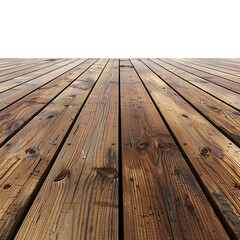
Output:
x=161 y=197
x=14 y=117
x=214 y=159
x=79 y=198
x=19 y=71
x=224 y=117
x=27 y=157
x=214 y=72
x=216 y=66
x=223 y=94
x=16 y=93
x=12 y=64
x=45 y=68
x=234 y=86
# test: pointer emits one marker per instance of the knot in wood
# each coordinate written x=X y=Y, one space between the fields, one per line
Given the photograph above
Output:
x=62 y=175
x=108 y=172
x=204 y=151
x=142 y=145
x=32 y=151
x=7 y=186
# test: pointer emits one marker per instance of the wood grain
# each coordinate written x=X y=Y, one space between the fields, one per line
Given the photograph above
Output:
x=18 y=114
x=162 y=133
x=225 y=118
x=161 y=197
x=233 y=86
x=227 y=74
x=19 y=71
x=217 y=66
x=215 y=90
x=26 y=158
x=213 y=157
x=16 y=93
x=13 y=64
x=45 y=68
x=79 y=198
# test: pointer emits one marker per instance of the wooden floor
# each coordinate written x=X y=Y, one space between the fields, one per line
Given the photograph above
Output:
x=113 y=148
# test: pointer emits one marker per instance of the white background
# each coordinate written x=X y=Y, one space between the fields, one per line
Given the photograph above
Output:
x=108 y=28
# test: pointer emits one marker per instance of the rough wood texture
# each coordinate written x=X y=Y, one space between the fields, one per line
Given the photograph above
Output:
x=7 y=75
x=215 y=90
x=228 y=76
x=18 y=92
x=216 y=66
x=26 y=158
x=45 y=68
x=69 y=145
x=16 y=115
x=234 y=86
x=222 y=115
x=214 y=158
x=81 y=190
x=161 y=197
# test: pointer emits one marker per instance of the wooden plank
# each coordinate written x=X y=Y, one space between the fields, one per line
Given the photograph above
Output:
x=79 y=198
x=209 y=77
x=213 y=157
x=18 y=114
x=216 y=66
x=45 y=68
x=14 y=94
x=26 y=159
x=18 y=71
x=219 y=92
x=224 y=117
x=217 y=73
x=13 y=64
x=161 y=197
x=230 y=61
x=227 y=64
x=9 y=64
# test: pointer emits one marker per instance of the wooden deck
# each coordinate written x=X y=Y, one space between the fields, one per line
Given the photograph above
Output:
x=113 y=148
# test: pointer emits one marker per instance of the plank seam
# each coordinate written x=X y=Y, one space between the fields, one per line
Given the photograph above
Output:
x=120 y=187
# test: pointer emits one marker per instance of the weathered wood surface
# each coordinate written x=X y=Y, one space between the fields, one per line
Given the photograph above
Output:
x=161 y=197
x=223 y=94
x=9 y=74
x=20 y=91
x=13 y=65
x=214 y=158
x=231 y=69
x=234 y=86
x=26 y=158
x=162 y=133
x=45 y=68
x=18 y=114
x=222 y=115
x=230 y=75
x=81 y=190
